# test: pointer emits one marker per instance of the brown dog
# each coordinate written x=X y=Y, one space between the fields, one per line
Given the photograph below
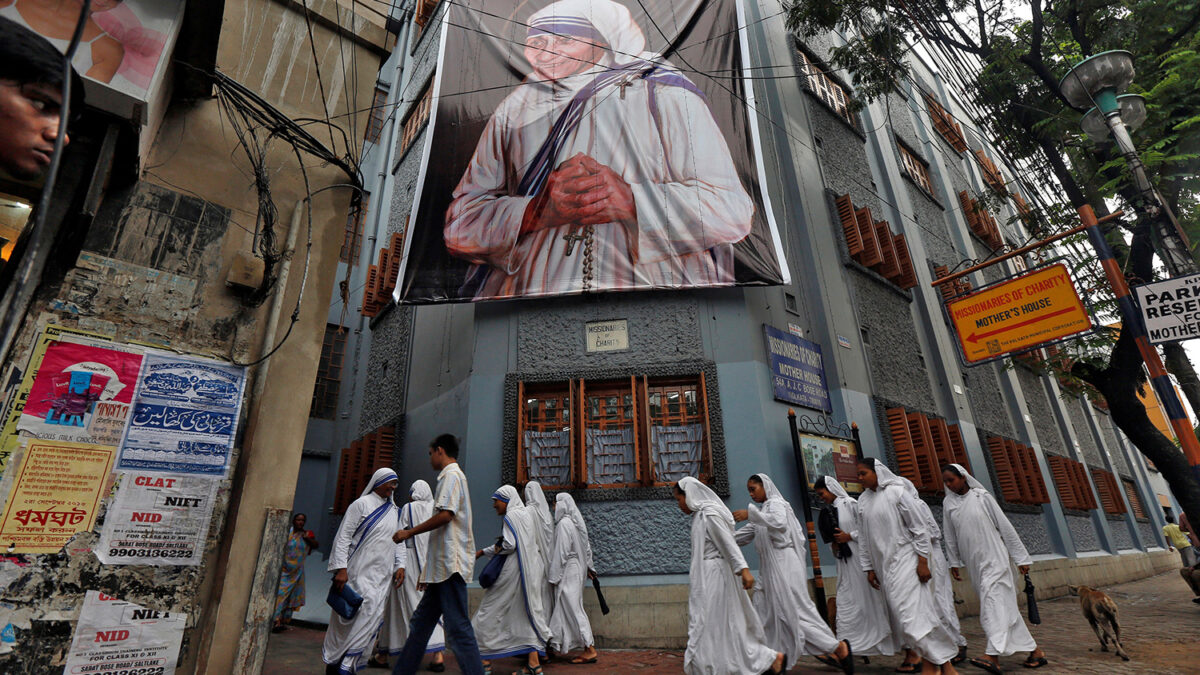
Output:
x=1101 y=612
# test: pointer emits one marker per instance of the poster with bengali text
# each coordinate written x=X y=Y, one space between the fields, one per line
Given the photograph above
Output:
x=184 y=417
x=55 y=495
x=157 y=519
x=115 y=637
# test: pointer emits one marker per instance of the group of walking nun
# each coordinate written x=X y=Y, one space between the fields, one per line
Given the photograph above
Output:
x=533 y=605
x=894 y=590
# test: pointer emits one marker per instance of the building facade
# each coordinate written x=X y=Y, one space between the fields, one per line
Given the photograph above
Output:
x=872 y=206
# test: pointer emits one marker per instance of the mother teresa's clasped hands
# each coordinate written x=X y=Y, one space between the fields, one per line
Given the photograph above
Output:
x=581 y=191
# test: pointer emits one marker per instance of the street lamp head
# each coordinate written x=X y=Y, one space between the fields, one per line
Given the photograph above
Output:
x=1098 y=79
x=1133 y=114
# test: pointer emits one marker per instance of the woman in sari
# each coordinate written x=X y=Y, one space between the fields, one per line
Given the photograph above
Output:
x=290 y=596
x=570 y=565
x=511 y=620
x=725 y=635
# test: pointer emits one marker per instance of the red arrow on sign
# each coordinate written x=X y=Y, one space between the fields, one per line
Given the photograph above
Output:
x=973 y=337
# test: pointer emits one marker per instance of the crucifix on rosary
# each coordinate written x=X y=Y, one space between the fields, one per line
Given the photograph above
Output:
x=572 y=238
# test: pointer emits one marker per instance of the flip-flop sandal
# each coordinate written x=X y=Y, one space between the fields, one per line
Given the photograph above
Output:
x=579 y=660
x=1035 y=663
x=847 y=664
x=986 y=665
x=908 y=668
x=829 y=661
x=962 y=656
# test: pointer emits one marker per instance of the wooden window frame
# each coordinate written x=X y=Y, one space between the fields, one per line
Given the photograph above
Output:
x=981 y=222
x=944 y=124
x=1135 y=500
x=417 y=116
x=329 y=375
x=872 y=244
x=1017 y=472
x=1110 y=494
x=991 y=173
x=639 y=387
x=1070 y=478
x=916 y=169
x=829 y=91
x=424 y=11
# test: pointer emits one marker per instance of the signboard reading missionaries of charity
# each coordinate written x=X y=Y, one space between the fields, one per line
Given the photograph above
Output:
x=607 y=336
x=115 y=637
x=797 y=370
x=1171 y=308
x=1017 y=314
x=184 y=417
x=589 y=146
x=57 y=489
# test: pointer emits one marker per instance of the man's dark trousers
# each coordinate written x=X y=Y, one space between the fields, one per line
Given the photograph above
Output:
x=446 y=600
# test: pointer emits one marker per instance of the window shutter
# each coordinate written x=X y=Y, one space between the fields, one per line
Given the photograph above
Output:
x=1006 y=476
x=1134 y=501
x=1034 y=475
x=872 y=254
x=854 y=240
x=907 y=277
x=579 y=438
x=1062 y=481
x=708 y=460
x=890 y=265
x=957 y=447
x=918 y=428
x=902 y=442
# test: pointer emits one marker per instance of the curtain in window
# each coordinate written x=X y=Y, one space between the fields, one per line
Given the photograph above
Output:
x=677 y=451
x=610 y=456
x=548 y=456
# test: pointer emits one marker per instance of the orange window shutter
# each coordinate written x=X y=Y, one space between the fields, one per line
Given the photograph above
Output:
x=890 y=266
x=522 y=467
x=906 y=456
x=908 y=274
x=968 y=209
x=638 y=447
x=580 y=436
x=940 y=434
x=1006 y=474
x=1062 y=480
x=708 y=459
x=927 y=462
x=957 y=447
x=845 y=210
x=948 y=290
x=872 y=253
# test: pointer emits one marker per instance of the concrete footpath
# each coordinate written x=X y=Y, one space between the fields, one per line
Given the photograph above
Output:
x=1160 y=629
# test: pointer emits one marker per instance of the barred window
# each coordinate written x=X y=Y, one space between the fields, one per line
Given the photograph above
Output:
x=378 y=114
x=916 y=169
x=829 y=91
x=329 y=373
x=352 y=237
x=636 y=431
x=417 y=117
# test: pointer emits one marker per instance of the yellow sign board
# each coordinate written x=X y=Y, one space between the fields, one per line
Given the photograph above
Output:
x=56 y=493
x=1024 y=312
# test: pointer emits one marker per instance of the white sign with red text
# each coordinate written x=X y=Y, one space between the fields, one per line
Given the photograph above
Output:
x=157 y=519
x=115 y=637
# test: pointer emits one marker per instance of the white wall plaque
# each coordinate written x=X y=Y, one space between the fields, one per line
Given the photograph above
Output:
x=607 y=336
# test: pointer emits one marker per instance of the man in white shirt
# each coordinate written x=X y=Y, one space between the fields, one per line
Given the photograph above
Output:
x=450 y=562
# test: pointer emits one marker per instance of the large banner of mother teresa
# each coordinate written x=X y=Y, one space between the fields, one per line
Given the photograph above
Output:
x=587 y=146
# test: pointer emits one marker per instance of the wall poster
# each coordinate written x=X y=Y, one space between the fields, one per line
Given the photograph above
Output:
x=157 y=519
x=589 y=146
x=114 y=637
x=57 y=489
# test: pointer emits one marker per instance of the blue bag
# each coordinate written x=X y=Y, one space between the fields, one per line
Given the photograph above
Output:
x=346 y=603
x=491 y=571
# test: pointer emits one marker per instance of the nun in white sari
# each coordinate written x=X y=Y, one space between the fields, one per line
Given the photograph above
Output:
x=402 y=601
x=862 y=613
x=539 y=509
x=790 y=619
x=980 y=537
x=511 y=620
x=725 y=635
x=895 y=553
x=567 y=159
x=364 y=557
x=570 y=566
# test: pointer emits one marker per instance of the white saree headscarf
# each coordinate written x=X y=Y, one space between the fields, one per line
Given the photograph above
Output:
x=535 y=499
x=380 y=477
x=565 y=507
x=952 y=497
x=601 y=21
x=509 y=495
x=415 y=512
x=701 y=499
x=794 y=531
x=835 y=487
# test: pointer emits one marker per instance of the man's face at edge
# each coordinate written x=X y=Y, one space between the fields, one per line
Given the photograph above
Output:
x=29 y=118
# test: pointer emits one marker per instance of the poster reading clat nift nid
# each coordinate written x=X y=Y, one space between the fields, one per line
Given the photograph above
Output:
x=589 y=146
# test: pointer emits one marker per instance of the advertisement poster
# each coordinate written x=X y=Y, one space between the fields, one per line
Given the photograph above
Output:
x=51 y=334
x=797 y=370
x=157 y=519
x=588 y=147
x=185 y=415
x=55 y=495
x=120 y=638
x=125 y=44
x=81 y=393
x=825 y=456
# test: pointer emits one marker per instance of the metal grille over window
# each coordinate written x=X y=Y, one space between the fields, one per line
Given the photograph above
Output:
x=352 y=238
x=639 y=431
x=329 y=373
x=830 y=92
x=378 y=114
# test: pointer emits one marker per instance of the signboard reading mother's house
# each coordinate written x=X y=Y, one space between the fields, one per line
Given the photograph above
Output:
x=797 y=370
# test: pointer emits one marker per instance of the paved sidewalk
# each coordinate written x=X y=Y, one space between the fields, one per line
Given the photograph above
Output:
x=1160 y=627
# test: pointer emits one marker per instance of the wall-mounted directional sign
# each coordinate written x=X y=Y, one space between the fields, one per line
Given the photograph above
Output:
x=1018 y=314
x=1171 y=308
